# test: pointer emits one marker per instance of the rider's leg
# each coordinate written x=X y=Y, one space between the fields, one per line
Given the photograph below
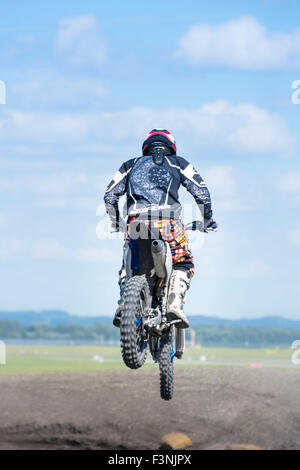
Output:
x=183 y=271
x=122 y=282
x=179 y=284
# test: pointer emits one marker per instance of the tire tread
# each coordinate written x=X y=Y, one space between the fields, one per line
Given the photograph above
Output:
x=131 y=356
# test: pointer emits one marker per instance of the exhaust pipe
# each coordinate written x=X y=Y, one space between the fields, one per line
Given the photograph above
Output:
x=158 y=251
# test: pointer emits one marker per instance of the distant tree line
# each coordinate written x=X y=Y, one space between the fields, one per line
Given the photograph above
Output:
x=233 y=336
x=240 y=336
x=13 y=330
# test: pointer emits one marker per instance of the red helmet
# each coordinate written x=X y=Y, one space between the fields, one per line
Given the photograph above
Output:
x=160 y=135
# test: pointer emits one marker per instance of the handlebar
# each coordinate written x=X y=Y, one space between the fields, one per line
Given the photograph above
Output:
x=199 y=225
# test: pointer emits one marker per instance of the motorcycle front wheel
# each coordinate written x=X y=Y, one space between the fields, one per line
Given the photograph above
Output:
x=134 y=341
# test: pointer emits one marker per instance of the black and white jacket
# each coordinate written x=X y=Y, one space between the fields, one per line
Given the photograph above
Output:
x=149 y=185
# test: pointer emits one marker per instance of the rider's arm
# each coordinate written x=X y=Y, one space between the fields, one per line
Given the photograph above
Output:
x=195 y=185
x=116 y=188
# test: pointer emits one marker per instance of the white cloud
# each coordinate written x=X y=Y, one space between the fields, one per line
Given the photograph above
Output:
x=60 y=190
x=58 y=184
x=3 y=218
x=53 y=249
x=16 y=47
x=294 y=236
x=27 y=39
x=79 y=40
x=93 y=255
x=218 y=259
x=71 y=203
x=253 y=269
x=241 y=43
x=222 y=183
x=46 y=127
x=222 y=186
x=221 y=178
x=243 y=128
x=52 y=90
x=10 y=247
x=288 y=186
x=290 y=182
x=49 y=248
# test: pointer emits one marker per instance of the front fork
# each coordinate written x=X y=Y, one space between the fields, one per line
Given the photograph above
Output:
x=178 y=343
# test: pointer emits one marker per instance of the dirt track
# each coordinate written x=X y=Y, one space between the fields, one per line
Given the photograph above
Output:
x=123 y=410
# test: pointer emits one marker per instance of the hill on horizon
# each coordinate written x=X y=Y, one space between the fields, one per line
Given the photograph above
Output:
x=57 y=317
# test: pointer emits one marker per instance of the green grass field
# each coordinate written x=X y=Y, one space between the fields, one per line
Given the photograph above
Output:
x=51 y=359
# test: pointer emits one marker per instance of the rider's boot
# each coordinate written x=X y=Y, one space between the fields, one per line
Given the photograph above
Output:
x=122 y=283
x=179 y=284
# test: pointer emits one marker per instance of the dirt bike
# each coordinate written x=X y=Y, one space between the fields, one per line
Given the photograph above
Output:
x=143 y=310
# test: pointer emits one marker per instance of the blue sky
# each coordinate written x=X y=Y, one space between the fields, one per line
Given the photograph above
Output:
x=86 y=81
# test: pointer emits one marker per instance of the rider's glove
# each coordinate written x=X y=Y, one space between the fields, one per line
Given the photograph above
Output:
x=210 y=224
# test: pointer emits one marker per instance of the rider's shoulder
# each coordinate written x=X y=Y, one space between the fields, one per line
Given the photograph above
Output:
x=179 y=161
x=130 y=163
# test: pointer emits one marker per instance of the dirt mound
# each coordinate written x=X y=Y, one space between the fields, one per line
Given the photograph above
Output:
x=123 y=410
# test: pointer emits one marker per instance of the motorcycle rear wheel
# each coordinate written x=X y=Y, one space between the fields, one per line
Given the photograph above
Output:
x=166 y=366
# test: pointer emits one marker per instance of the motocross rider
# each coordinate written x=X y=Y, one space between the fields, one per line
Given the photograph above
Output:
x=151 y=182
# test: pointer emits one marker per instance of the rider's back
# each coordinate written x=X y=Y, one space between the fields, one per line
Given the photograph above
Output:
x=148 y=184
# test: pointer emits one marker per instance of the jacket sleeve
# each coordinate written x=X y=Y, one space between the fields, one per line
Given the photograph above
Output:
x=116 y=188
x=195 y=185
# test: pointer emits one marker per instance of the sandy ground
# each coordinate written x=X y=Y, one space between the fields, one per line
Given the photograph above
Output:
x=123 y=409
